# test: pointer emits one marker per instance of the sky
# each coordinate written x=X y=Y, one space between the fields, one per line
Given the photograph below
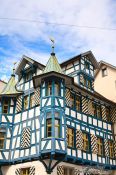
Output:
x=20 y=35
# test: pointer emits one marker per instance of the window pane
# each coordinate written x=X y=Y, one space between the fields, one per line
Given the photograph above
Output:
x=56 y=89
x=31 y=100
x=49 y=128
x=78 y=103
x=2 y=138
x=70 y=135
x=57 y=128
x=72 y=100
x=49 y=88
x=25 y=102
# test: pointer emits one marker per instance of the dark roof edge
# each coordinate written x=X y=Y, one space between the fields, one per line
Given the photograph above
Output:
x=104 y=63
x=3 y=82
x=96 y=65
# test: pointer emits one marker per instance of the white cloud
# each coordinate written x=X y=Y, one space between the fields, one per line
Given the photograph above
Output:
x=69 y=40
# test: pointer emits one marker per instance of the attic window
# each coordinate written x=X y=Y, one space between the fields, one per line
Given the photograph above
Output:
x=86 y=65
x=104 y=72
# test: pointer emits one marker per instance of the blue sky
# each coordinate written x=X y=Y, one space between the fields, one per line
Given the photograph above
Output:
x=19 y=38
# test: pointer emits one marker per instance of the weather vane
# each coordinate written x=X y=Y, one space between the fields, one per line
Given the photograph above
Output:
x=14 y=67
x=52 y=40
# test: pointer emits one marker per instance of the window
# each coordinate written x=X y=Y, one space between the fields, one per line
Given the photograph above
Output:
x=111 y=148
x=96 y=110
x=86 y=65
x=72 y=100
x=56 y=89
x=25 y=171
x=108 y=114
x=49 y=88
x=104 y=72
x=89 y=84
x=5 y=106
x=85 y=142
x=26 y=102
x=70 y=135
x=100 y=146
x=49 y=128
x=68 y=171
x=78 y=103
x=31 y=100
x=28 y=76
x=57 y=128
x=2 y=137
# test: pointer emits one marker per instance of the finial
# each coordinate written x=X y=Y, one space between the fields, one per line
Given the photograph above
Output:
x=52 y=40
x=14 y=67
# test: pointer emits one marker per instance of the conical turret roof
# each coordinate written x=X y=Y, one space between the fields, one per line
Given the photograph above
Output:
x=52 y=65
x=10 y=88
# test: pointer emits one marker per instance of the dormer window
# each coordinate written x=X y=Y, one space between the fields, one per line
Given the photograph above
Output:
x=5 y=106
x=86 y=65
x=104 y=72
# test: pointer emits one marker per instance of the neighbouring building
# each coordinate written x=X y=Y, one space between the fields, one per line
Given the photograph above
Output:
x=52 y=121
x=105 y=80
x=2 y=85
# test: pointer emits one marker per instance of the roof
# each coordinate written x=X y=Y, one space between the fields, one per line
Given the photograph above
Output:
x=89 y=53
x=26 y=60
x=101 y=63
x=10 y=88
x=52 y=65
x=3 y=81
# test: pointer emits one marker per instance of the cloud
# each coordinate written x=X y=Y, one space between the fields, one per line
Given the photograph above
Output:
x=32 y=39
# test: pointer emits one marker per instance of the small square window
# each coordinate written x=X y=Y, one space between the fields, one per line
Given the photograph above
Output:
x=104 y=72
x=25 y=171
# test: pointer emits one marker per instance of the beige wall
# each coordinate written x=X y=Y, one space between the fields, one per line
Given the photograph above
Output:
x=106 y=85
x=39 y=168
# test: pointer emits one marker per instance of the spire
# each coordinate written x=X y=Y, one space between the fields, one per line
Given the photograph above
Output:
x=52 y=64
x=10 y=88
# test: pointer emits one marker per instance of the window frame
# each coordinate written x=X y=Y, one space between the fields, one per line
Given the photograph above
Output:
x=27 y=102
x=5 y=105
x=48 y=126
x=103 y=70
x=100 y=146
x=111 y=148
x=78 y=103
x=2 y=130
x=108 y=114
x=31 y=101
x=26 y=173
x=56 y=83
x=70 y=137
x=72 y=100
x=49 y=88
x=86 y=142
x=95 y=108
x=49 y=118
